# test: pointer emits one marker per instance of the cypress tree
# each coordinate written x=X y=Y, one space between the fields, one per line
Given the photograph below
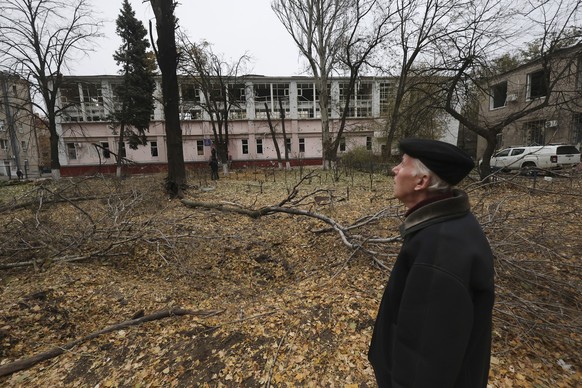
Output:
x=135 y=103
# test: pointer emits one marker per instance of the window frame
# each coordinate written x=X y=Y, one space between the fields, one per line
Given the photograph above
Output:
x=72 y=151
x=154 y=149
x=342 y=144
x=539 y=82
x=498 y=92
x=259 y=146
x=105 y=149
x=245 y=146
x=200 y=147
x=302 y=144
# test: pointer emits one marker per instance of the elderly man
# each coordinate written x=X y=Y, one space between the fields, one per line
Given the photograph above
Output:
x=433 y=327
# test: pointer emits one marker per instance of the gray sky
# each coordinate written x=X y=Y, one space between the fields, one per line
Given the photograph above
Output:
x=233 y=27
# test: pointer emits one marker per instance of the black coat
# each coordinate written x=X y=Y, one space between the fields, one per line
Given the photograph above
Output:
x=434 y=323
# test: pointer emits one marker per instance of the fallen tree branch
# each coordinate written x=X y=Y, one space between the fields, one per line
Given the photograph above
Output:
x=26 y=363
x=9 y=208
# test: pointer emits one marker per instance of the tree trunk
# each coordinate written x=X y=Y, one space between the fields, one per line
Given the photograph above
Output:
x=274 y=137
x=120 y=142
x=282 y=113
x=168 y=61
x=55 y=163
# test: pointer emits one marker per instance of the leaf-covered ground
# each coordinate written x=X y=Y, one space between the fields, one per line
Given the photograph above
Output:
x=293 y=305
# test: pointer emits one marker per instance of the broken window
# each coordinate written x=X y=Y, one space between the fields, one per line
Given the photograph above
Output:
x=385 y=94
x=498 y=95
x=537 y=84
x=190 y=102
x=281 y=92
x=237 y=100
x=305 y=100
x=262 y=93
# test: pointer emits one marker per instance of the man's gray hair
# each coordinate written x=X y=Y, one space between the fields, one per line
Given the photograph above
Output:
x=436 y=183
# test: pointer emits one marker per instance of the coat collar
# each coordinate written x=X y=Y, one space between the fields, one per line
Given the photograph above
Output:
x=435 y=212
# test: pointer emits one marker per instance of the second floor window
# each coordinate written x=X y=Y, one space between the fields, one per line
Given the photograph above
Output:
x=369 y=143
x=200 y=147
x=245 y=146
x=154 y=148
x=537 y=84
x=498 y=95
x=301 y=144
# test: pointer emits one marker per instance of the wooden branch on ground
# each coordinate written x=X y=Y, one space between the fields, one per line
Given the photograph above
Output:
x=26 y=363
x=9 y=208
x=350 y=241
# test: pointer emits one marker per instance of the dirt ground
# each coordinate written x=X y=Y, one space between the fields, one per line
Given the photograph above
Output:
x=282 y=301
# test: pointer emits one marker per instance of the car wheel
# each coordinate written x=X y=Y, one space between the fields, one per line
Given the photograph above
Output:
x=528 y=168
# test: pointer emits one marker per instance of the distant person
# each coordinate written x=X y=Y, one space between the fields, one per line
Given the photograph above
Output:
x=433 y=327
x=213 y=166
x=19 y=174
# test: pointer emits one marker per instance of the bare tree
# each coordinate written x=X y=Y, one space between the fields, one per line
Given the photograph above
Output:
x=273 y=131
x=222 y=88
x=38 y=41
x=467 y=60
x=372 y=25
x=319 y=28
x=167 y=56
x=421 y=26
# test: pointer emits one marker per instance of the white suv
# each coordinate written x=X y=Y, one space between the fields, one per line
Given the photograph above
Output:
x=536 y=157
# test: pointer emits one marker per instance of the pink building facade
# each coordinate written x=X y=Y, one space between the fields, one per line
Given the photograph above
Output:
x=88 y=138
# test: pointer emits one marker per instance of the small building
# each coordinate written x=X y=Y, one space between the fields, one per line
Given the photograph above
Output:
x=525 y=88
x=18 y=137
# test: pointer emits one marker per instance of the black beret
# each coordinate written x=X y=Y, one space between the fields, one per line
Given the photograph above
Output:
x=447 y=161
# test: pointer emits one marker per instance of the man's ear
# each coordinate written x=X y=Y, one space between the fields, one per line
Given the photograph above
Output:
x=422 y=183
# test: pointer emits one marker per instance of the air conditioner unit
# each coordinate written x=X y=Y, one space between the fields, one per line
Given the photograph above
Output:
x=511 y=97
x=551 y=123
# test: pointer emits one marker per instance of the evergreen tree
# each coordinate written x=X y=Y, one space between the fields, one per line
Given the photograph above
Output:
x=135 y=103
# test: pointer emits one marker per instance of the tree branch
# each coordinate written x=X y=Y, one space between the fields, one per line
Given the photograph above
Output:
x=26 y=363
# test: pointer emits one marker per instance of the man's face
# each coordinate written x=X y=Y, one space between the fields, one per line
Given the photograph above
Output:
x=405 y=180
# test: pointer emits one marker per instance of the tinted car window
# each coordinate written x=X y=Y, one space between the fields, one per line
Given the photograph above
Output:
x=517 y=151
x=564 y=150
x=501 y=153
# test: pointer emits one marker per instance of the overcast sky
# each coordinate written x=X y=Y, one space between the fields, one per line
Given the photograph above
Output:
x=234 y=27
